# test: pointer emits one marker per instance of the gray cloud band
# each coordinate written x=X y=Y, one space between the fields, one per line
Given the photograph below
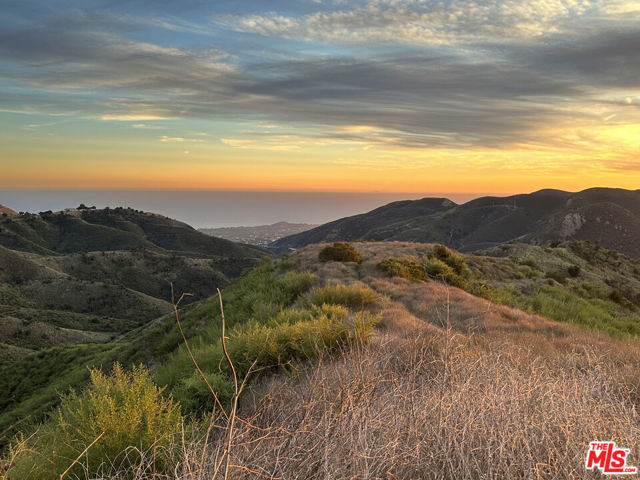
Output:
x=489 y=94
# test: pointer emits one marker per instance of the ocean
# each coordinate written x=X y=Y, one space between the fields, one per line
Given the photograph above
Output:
x=216 y=208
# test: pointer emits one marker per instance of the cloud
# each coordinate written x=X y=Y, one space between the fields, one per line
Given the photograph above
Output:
x=133 y=117
x=600 y=57
x=167 y=139
x=84 y=52
x=144 y=126
x=500 y=85
x=417 y=22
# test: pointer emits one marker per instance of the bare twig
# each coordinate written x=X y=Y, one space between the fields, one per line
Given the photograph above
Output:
x=62 y=475
x=234 y=408
x=186 y=344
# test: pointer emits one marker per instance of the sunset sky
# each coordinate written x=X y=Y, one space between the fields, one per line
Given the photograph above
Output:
x=381 y=95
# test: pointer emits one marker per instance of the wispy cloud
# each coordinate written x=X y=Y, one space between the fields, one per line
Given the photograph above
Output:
x=166 y=139
x=144 y=126
x=417 y=22
x=458 y=75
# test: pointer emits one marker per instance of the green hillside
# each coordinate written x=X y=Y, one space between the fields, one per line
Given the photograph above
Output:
x=88 y=230
x=413 y=336
x=74 y=284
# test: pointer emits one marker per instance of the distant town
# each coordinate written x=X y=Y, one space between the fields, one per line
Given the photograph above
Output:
x=261 y=235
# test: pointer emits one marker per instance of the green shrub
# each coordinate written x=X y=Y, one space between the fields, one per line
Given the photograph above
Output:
x=125 y=407
x=530 y=262
x=298 y=337
x=528 y=272
x=350 y=296
x=439 y=251
x=289 y=336
x=339 y=252
x=194 y=393
x=439 y=270
x=451 y=258
x=557 y=275
x=257 y=297
x=574 y=271
x=409 y=269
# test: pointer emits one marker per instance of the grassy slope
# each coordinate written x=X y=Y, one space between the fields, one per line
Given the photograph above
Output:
x=451 y=386
x=576 y=282
x=73 y=285
x=510 y=360
x=450 y=380
x=33 y=384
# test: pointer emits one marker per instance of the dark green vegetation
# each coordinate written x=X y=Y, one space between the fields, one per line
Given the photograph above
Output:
x=610 y=217
x=339 y=252
x=272 y=325
x=575 y=282
x=84 y=288
x=90 y=230
x=90 y=275
x=409 y=268
x=268 y=319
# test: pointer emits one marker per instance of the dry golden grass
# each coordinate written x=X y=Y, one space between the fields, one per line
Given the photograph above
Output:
x=451 y=387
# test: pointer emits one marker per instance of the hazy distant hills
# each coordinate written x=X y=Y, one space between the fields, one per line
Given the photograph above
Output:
x=608 y=216
x=261 y=235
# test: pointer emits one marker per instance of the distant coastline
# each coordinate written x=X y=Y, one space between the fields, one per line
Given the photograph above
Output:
x=217 y=208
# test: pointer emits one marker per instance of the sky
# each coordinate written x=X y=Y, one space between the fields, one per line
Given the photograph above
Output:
x=320 y=95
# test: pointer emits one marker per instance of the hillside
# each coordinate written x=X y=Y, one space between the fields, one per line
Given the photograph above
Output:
x=89 y=230
x=88 y=276
x=610 y=217
x=440 y=356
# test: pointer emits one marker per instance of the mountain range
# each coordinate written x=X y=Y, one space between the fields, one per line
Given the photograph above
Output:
x=608 y=216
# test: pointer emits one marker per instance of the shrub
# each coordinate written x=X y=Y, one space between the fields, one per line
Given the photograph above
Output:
x=339 y=252
x=409 y=269
x=126 y=407
x=557 y=275
x=451 y=258
x=438 y=269
x=289 y=336
x=298 y=335
x=528 y=272
x=350 y=296
x=574 y=271
x=530 y=262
